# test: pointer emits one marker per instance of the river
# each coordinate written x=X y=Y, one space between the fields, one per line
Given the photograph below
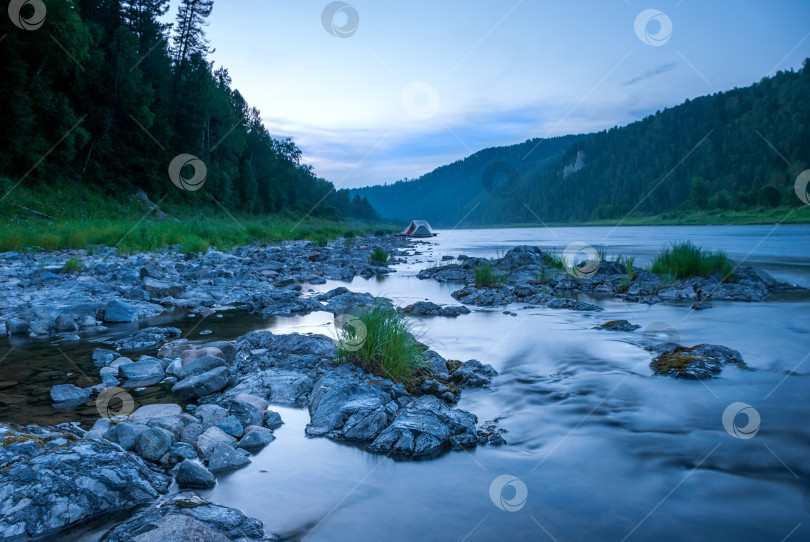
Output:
x=604 y=449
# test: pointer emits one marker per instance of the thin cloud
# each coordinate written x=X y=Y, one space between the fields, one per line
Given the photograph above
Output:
x=650 y=73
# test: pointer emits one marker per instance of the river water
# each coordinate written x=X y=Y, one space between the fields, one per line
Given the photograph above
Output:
x=598 y=447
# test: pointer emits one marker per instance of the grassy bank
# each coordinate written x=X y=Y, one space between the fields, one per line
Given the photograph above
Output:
x=68 y=217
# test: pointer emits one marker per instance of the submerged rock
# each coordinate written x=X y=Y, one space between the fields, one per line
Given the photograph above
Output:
x=68 y=393
x=618 y=325
x=146 y=339
x=142 y=370
x=697 y=362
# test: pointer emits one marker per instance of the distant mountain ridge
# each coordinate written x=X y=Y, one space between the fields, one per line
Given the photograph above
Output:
x=738 y=149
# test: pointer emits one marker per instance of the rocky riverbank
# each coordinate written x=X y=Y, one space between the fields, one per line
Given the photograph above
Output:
x=41 y=296
x=224 y=389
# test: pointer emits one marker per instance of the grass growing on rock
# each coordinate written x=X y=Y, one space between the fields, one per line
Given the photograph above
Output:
x=380 y=341
x=72 y=266
x=485 y=276
x=685 y=260
x=378 y=255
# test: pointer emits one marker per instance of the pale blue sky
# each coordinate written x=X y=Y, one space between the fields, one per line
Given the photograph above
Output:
x=499 y=72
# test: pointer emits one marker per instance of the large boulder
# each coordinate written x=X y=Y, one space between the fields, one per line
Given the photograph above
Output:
x=210 y=414
x=345 y=406
x=190 y=354
x=152 y=443
x=194 y=475
x=60 y=486
x=163 y=521
x=199 y=366
x=118 y=312
x=204 y=384
x=17 y=326
x=228 y=350
x=249 y=409
x=256 y=437
x=224 y=457
x=158 y=289
x=125 y=434
x=209 y=440
x=426 y=426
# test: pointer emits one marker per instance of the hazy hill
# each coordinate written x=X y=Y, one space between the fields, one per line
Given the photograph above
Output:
x=713 y=152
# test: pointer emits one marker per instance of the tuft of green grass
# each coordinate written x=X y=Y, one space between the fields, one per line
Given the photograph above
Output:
x=378 y=255
x=685 y=260
x=320 y=242
x=554 y=260
x=380 y=341
x=73 y=265
x=629 y=263
x=485 y=275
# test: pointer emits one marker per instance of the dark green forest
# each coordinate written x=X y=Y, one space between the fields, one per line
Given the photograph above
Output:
x=105 y=94
x=737 y=150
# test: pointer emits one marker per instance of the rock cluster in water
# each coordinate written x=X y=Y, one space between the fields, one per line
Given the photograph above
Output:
x=532 y=276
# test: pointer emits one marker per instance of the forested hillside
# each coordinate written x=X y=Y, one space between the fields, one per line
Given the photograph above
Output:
x=715 y=152
x=447 y=194
x=104 y=94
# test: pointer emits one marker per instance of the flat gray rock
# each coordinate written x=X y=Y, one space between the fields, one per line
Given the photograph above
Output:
x=204 y=384
x=158 y=410
x=68 y=393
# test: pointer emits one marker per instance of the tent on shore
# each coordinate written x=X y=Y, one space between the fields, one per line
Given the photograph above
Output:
x=418 y=228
